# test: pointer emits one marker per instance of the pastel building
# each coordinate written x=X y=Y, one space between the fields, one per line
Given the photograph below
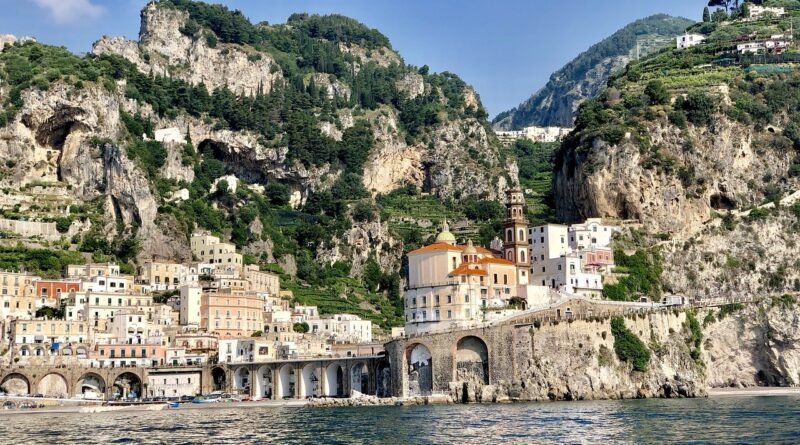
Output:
x=230 y=315
x=209 y=249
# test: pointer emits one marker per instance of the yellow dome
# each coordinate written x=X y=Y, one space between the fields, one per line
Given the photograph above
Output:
x=445 y=237
x=470 y=249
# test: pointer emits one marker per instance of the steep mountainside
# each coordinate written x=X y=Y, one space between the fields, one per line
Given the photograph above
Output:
x=583 y=77
x=701 y=145
x=310 y=145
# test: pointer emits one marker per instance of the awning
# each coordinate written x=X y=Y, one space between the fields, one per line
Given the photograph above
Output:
x=38 y=337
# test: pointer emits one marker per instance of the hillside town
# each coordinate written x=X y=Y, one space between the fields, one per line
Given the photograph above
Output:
x=213 y=310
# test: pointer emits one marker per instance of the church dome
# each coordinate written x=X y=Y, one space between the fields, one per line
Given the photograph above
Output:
x=470 y=249
x=445 y=236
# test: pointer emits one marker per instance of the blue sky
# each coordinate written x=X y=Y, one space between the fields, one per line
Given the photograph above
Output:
x=506 y=49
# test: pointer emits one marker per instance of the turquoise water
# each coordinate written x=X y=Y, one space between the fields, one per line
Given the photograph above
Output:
x=746 y=419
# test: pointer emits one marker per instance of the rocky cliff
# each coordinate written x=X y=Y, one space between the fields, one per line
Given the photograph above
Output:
x=313 y=119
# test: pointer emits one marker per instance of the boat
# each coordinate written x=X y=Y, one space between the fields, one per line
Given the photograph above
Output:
x=174 y=405
x=201 y=399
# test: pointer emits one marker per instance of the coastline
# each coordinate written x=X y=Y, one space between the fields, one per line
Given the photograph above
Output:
x=76 y=409
x=754 y=391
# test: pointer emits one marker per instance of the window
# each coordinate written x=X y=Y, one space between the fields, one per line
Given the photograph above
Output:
x=449 y=299
x=449 y=314
x=495 y=278
x=466 y=298
x=505 y=278
x=437 y=300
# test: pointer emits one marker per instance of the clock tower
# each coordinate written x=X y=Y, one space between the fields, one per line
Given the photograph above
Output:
x=515 y=234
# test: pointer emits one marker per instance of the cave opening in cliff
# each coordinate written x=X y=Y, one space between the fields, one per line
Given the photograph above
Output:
x=53 y=133
x=722 y=202
x=213 y=149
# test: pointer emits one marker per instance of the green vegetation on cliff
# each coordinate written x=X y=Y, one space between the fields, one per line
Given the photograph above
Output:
x=555 y=104
x=288 y=114
x=628 y=346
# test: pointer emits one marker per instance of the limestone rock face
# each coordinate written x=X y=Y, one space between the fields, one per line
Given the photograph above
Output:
x=58 y=137
x=460 y=161
x=411 y=84
x=616 y=181
x=392 y=163
x=163 y=50
x=576 y=361
x=756 y=346
x=359 y=243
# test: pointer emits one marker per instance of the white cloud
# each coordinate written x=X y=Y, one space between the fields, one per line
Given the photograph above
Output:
x=70 y=11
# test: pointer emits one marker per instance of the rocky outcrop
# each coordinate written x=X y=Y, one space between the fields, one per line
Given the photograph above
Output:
x=758 y=345
x=460 y=161
x=63 y=136
x=576 y=361
x=672 y=184
x=164 y=50
x=359 y=243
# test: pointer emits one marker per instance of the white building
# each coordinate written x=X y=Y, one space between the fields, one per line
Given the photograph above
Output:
x=345 y=328
x=591 y=233
x=567 y=274
x=547 y=241
x=190 y=314
x=689 y=40
x=173 y=383
x=169 y=135
x=758 y=11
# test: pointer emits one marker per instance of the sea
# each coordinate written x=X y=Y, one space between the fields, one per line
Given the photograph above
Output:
x=717 y=420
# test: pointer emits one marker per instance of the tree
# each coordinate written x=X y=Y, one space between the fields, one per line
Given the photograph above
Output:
x=656 y=92
x=301 y=328
x=727 y=4
x=706 y=15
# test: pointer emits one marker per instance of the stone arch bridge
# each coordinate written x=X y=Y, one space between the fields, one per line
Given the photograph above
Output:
x=301 y=378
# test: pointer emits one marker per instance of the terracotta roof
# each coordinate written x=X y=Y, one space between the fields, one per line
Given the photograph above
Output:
x=493 y=260
x=464 y=269
x=444 y=246
x=435 y=247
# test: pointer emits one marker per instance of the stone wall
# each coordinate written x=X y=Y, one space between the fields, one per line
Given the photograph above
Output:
x=557 y=360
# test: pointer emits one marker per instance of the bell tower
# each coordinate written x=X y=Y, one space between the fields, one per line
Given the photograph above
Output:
x=515 y=234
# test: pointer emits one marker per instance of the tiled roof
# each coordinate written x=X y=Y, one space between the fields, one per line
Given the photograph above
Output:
x=444 y=246
x=464 y=269
x=493 y=260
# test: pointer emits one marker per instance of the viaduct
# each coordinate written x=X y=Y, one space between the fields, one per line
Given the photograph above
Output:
x=417 y=365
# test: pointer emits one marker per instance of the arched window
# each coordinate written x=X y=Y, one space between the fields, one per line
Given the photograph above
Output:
x=509 y=235
x=522 y=256
x=521 y=235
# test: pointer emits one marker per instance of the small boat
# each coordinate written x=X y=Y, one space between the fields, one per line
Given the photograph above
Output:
x=174 y=405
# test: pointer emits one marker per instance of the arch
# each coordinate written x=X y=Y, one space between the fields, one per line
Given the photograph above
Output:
x=285 y=388
x=90 y=385
x=16 y=384
x=219 y=379
x=310 y=381
x=38 y=351
x=383 y=379
x=359 y=378
x=420 y=369
x=127 y=386
x=241 y=380
x=24 y=351
x=263 y=383
x=53 y=385
x=334 y=380
x=472 y=361
x=81 y=351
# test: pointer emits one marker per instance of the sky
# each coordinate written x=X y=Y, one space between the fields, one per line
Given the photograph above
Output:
x=506 y=49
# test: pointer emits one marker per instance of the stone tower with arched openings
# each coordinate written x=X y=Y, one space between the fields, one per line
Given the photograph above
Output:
x=515 y=234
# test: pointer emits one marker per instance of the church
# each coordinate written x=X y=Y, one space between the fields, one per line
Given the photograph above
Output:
x=452 y=285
